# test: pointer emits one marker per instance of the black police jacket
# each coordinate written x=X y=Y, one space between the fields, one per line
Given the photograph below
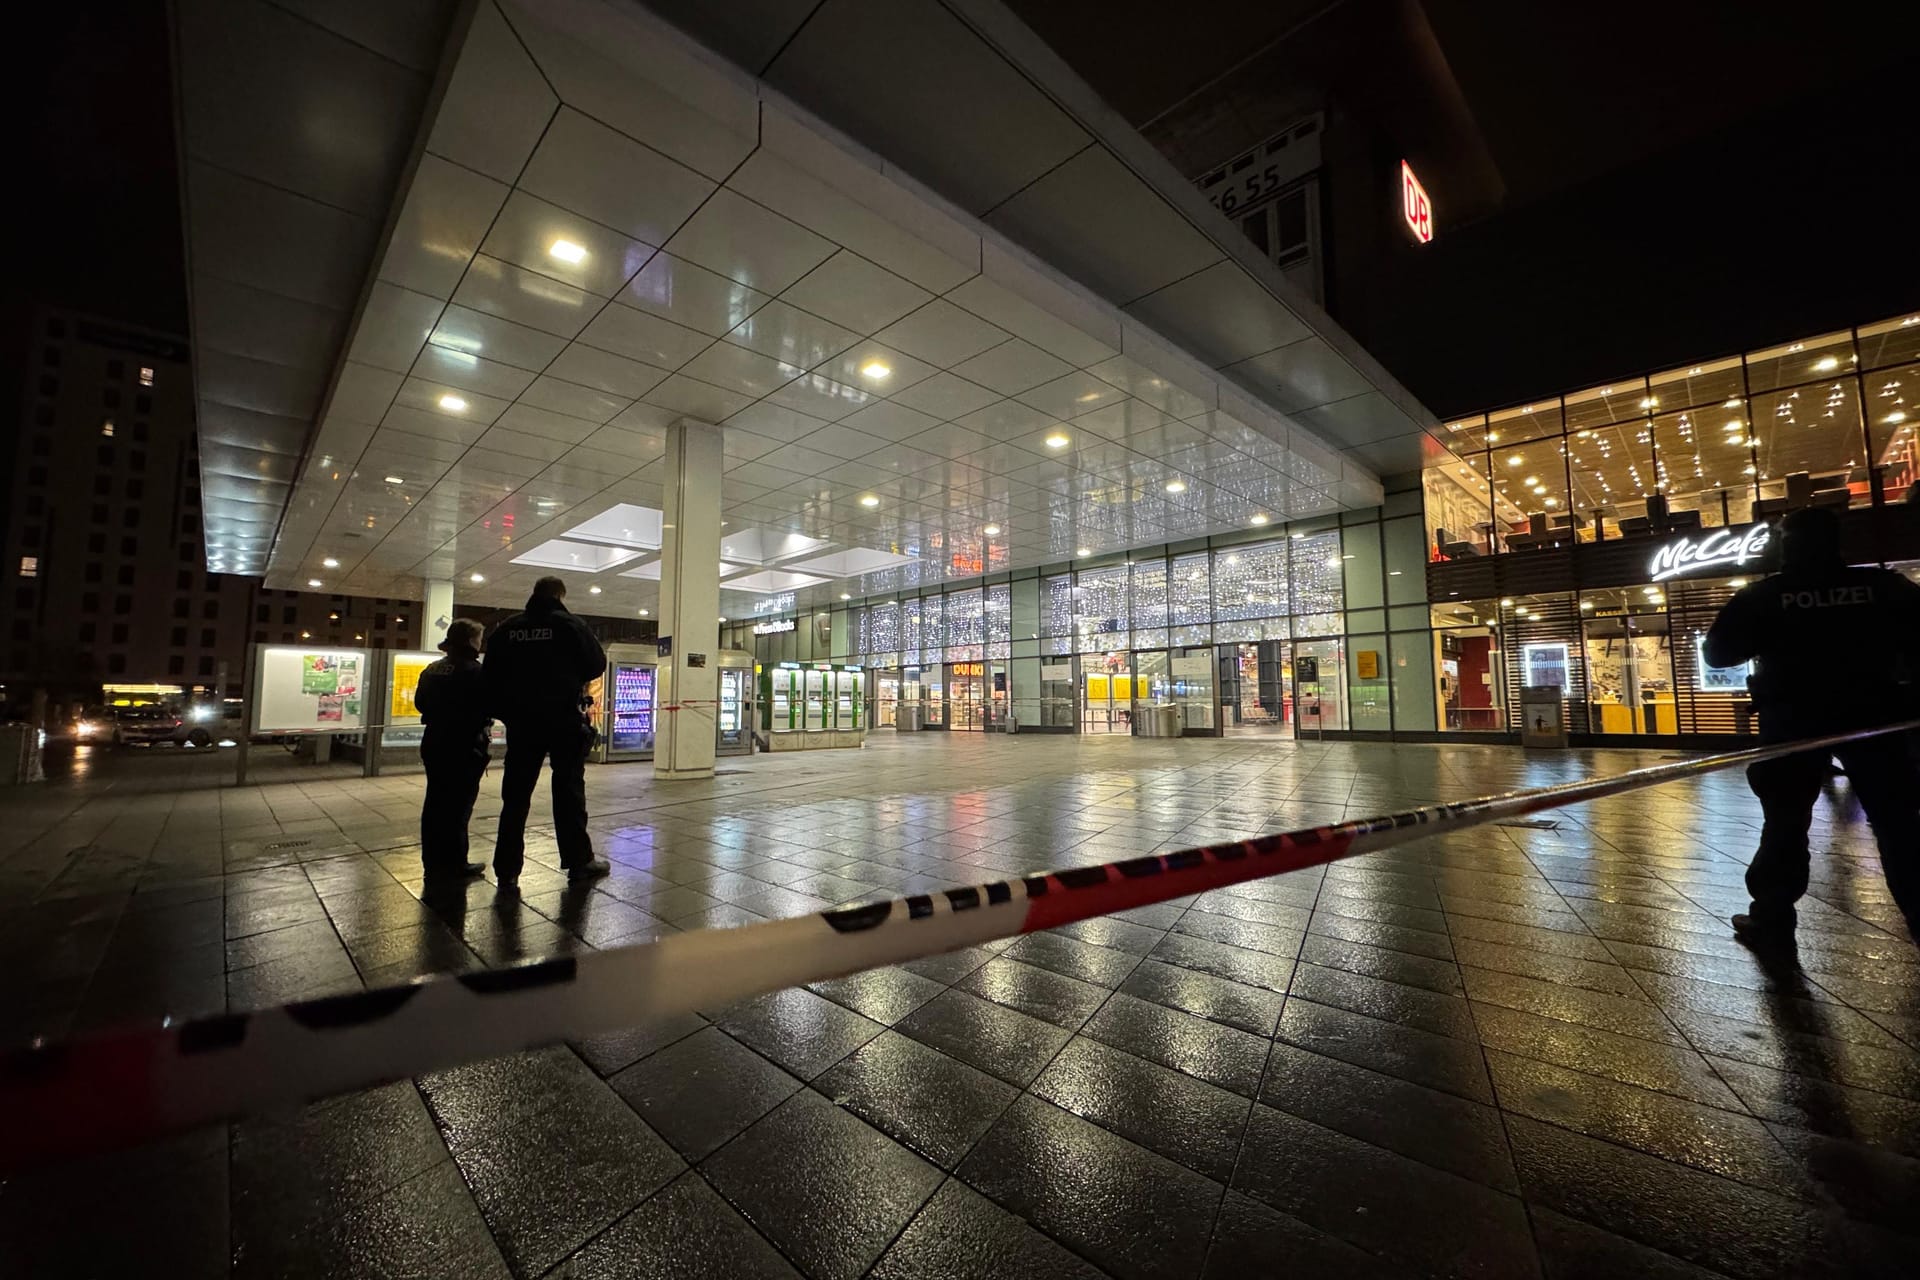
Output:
x=452 y=700
x=538 y=663
x=1835 y=648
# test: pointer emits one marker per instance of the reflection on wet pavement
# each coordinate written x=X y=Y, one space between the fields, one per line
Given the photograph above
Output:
x=1511 y=1051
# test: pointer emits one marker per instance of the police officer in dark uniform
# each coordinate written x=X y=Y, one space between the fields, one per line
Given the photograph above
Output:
x=1836 y=648
x=539 y=663
x=453 y=707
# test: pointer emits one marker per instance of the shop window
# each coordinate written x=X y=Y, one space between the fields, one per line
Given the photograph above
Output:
x=1524 y=422
x=1190 y=600
x=1808 y=449
x=1697 y=386
x=1610 y=466
x=1251 y=583
x=1809 y=360
x=1458 y=498
x=1702 y=459
x=1469 y=680
x=883 y=637
x=1100 y=610
x=1892 y=402
x=1890 y=342
x=1149 y=593
x=998 y=604
x=1056 y=614
x=1628 y=662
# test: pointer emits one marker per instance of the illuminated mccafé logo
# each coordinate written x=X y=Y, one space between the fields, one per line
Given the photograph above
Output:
x=1721 y=549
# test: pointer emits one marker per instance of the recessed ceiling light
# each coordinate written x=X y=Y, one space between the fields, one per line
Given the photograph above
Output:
x=476 y=577
x=991 y=530
x=1083 y=552
x=1828 y=365
x=1176 y=486
x=643 y=613
x=313 y=582
x=869 y=501
x=1516 y=459
x=1258 y=520
x=453 y=404
x=1057 y=441
x=593 y=591
x=723 y=618
x=395 y=480
x=567 y=251
x=846 y=595
x=330 y=563
x=876 y=370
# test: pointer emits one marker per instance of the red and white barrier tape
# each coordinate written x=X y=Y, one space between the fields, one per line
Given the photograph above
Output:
x=135 y=1084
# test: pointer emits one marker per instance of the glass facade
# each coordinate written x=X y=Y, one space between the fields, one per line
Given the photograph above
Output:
x=1605 y=477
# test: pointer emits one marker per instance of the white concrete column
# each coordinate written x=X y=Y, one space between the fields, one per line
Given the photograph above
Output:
x=683 y=739
x=438 y=613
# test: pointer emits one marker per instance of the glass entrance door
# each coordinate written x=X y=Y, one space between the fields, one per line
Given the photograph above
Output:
x=966 y=696
x=1630 y=674
x=1319 y=685
x=997 y=694
x=1057 y=700
x=1253 y=691
x=886 y=694
x=1193 y=684
x=1106 y=693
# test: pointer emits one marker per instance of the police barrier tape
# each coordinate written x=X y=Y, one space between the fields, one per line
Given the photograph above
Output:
x=128 y=1086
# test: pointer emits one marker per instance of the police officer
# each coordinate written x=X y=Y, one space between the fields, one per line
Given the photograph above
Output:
x=538 y=665
x=1832 y=646
x=453 y=707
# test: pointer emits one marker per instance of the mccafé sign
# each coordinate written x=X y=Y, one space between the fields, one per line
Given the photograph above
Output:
x=1721 y=549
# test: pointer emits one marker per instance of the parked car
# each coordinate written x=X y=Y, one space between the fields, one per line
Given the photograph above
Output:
x=199 y=725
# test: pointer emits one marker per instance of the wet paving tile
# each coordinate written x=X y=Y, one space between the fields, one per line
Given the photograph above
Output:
x=1441 y=1129
x=617 y=1050
x=1251 y=1009
x=935 y=1104
x=1806 y=1102
x=1000 y=1041
x=1223 y=960
x=962 y=1233
x=684 y=1232
x=1053 y=997
x=1618 y=1014
x=1648 y=1064
x=1209 y=1051
x=1447 y=1063
x=699 y=1092
x=1358 y=1192
x=829 y=1190
x=1175 y=1115
x=801 y=1031
x=1254 y=1239
x=1133 y=1213
x=884 y=995
x=1101 y=966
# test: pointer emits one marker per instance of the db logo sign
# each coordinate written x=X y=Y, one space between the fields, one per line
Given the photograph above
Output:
x=1415 y=206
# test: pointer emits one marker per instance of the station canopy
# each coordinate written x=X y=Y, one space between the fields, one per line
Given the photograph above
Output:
x=455 y=271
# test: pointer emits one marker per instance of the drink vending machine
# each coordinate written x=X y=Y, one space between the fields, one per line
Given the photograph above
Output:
x=734 y=716
x=628 y=702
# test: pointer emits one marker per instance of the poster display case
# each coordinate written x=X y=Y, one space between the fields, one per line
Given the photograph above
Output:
x=404 y=667
x=309 y=689
x=814 y=705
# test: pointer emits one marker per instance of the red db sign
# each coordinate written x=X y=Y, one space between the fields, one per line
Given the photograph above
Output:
x=1415 y=206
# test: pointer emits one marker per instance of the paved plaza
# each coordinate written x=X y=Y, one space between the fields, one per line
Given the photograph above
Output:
x=1515 y=1051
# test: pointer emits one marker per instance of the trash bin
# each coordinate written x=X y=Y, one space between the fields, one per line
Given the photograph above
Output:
x=1542 y=723
x=1161 y=721
x=907 y=717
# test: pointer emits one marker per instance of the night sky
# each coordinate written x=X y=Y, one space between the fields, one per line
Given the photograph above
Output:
x=1714 y=234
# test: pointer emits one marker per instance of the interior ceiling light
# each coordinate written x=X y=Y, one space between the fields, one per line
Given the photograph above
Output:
x=593 y=591
x=643 y=613
x=1056 y=441
x=453 y=404
x=846 y=595
x=869 y=501
x=1083 y=551
x=313 y=582
x=876 y=370
x=330 y=563
x=567 y=251
x=1828 y=365
x=476 y=577
x=991 y=530
x=395 y=480
x=1516 y=459
x=1258 y=519
x=1176 y=486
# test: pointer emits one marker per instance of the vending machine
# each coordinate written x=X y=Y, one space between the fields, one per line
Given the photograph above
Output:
x=814 y=683
x=734 y=716
x=782 y=698
x=630 y=702
x=847 y=700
